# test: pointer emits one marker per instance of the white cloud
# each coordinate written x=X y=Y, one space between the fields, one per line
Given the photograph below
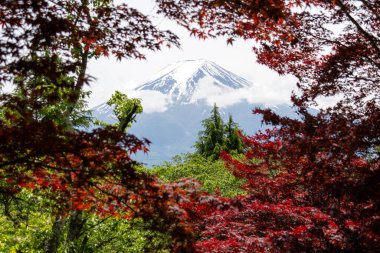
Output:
x=270 y=93
x=212 y=93
x=325 y=102
x=152 y=101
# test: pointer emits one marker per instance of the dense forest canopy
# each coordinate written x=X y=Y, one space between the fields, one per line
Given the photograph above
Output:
x=311 y=184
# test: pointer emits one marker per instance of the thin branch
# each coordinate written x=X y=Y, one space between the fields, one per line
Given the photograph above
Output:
x=370 y=8
x=369 y=37
x=115 y=196
x=93 y=226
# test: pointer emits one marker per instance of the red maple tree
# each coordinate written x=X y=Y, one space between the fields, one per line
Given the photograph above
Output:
x=45 y=47
x=313 y=182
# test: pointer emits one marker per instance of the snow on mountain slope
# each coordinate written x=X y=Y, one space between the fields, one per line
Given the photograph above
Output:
x=181 y=80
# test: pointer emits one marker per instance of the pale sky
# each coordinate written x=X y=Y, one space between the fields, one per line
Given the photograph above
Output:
x=111 y=75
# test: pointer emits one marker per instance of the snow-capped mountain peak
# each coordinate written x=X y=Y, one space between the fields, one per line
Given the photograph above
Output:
x=182 y=79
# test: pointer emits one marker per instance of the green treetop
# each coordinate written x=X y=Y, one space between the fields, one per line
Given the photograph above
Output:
x=217 y=136
x=211 y=139
x=233 y=142
x=125 y=109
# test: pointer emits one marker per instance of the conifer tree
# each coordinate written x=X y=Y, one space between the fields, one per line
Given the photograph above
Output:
x=218 y=136
x=233 y=142
x=211 y=139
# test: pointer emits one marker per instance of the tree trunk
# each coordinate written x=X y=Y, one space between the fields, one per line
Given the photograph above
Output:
x=74 y=231
x=57 y=232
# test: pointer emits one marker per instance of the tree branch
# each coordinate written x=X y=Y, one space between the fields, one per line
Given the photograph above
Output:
x=368 y=36
x=129 y=118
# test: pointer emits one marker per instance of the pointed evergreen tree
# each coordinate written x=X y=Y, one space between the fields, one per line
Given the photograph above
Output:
x=233 y=142
x=211 y=139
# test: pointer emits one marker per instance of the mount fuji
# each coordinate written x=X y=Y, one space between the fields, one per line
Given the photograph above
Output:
x=182 y=80
x=187 y=86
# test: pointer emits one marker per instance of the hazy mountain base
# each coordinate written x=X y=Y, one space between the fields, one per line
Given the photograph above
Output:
x=175 y=131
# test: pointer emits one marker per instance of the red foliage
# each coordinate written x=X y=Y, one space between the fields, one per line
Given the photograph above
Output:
x=93 y=172
x=313 y=183
x=44 y=50
x=292 y=203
